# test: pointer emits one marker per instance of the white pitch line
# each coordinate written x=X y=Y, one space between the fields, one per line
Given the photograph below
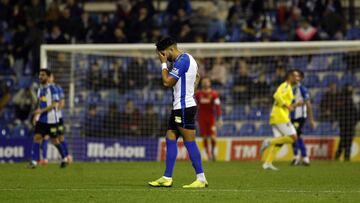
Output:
x=174 y=190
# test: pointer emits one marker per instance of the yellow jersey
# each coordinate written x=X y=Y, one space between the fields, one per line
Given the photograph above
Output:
x=283 y=96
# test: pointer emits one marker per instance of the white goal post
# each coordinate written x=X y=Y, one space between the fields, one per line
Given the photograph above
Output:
x=323 y=62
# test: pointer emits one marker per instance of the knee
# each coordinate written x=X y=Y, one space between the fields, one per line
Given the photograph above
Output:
x=55 y=141
x=37 y=138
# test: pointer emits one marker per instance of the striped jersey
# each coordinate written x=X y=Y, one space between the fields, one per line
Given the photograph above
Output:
x=184 y=71
x=301 y=93
x=60 y=92
x=47 y=95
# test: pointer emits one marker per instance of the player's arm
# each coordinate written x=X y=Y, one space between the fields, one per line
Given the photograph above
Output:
x=218 y=110
x=53 y=105
x=306 y=96
x=279 y=98
x=168 y=80
x=197 y=81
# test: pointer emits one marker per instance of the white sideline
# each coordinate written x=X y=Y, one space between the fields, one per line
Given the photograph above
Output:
x=175 y=190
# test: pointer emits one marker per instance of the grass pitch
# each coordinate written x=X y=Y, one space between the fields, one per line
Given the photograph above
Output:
x=323 y=181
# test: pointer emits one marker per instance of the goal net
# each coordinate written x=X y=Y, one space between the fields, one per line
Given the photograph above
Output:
x=117 y=109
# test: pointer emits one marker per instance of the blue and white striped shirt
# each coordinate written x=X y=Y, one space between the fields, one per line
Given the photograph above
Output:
x=184 y=70
x=47 y=95
x=301 y=93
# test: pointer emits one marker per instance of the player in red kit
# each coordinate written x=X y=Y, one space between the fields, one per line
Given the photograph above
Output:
x=209 y=111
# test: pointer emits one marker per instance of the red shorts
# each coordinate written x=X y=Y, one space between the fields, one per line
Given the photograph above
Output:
x=207 y=127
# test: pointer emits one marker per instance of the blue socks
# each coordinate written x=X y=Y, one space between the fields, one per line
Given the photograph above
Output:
x=302 y=147
x=299 y=144
x=61 y=150
x=35 y=152
x=171 y=154
x=44 y=148
x=195 y=156
x=65 y=148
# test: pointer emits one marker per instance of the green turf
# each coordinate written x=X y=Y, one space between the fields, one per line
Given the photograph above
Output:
x=229 y=182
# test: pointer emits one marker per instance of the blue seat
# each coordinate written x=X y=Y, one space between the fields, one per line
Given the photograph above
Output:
x=317 y=98
x=300 y=62
x=238 y=113
x=259 y=114
x=227 y=130
x=326 y=128
x=79 y=99
x=4 y=132
x=10 y=82
x=353 y=33
x=247 y=129
x=265 y=130
x=93 y=98
x=328 y=79
x=8 y=115
x=311 y=80
x=319 y=63
x=349 y=79
x=21 y=131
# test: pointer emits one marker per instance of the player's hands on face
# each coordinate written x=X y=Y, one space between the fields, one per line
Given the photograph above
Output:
x=162 y=56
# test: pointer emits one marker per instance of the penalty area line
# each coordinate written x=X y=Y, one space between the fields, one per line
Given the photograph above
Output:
x=173 y=190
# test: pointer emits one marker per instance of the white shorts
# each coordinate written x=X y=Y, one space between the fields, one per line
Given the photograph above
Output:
x=283 y=129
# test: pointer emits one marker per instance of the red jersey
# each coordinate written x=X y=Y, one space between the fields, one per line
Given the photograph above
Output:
x=208 y=104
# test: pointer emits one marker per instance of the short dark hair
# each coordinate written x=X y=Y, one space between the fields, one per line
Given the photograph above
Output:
x=47 y=71
x=301 y=73
x=290 y=72
x=164 y=43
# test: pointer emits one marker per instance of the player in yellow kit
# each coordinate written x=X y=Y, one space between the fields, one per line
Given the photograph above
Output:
x=283 y=129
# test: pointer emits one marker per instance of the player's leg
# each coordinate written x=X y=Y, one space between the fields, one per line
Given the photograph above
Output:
x=35 y=148
x=63 y=141
x=300 y=142
x=348 y=143
x=340 y=146
x=213 y=142
x=188 y=131
x=297 y=144
x=56 y=142
x=272 y=151
x=195 y=157
x=44 y=150
x=289 y=136
x=204 y=134
x=171 y=153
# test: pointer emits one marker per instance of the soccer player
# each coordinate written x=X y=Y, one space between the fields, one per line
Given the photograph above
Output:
x=47 y=119
x=183 y=78
x=208 y=110
x=283 y=129
x=60 y=125
x=298 y=118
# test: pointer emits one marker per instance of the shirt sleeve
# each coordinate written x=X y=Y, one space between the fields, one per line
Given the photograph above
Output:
x=54 y=94
x=304 y=93
x=181 y=66
x=61 y=93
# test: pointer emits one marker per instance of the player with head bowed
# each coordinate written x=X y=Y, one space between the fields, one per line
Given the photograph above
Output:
x=183 y=77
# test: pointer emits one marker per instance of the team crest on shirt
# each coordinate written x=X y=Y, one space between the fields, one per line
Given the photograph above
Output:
x=177 y=119
x=175 y=70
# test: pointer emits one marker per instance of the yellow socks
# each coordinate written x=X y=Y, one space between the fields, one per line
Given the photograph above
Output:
x=282 y=140
x=272 y=151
